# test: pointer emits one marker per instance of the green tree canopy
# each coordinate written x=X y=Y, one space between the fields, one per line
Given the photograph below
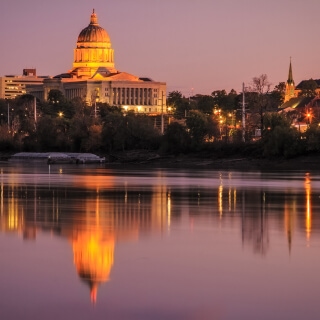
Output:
x=197 y=125
x=179 y=103
x=176 y=139
x=224 y=101
x=204 y=103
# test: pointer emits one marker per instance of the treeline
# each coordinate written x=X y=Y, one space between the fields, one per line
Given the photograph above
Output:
x=62 y=125
x=203 y=124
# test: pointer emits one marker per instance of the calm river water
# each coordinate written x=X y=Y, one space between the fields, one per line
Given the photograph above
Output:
x=88 y=242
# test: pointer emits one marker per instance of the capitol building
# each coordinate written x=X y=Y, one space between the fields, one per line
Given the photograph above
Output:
x=94 y=78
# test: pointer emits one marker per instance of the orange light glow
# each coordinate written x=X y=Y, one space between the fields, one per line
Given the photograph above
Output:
x=220 y=205
x=308 y=207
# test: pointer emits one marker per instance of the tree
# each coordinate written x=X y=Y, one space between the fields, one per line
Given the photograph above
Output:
x=141 y=133
x=179 y=104
x=280 y=138
x=261 y=84
x=204 y=103
x=79 y=131
x=174 y=98
x=197 y=125
x=312 y=136
x=56 y=96
x=224 y=101
x=176 y=139
x=46 y=134
x=114 y=131
x=6 y=140
x=3 y=111
x=260 y=96
x=277 y=96
x=93 y=141
x=212 y=127
x=58 y=106
x=273 y=119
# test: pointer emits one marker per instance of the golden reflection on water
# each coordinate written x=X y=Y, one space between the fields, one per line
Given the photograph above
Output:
x=169 y=210
x=220 y=200
x=308 y=206
x=94 y=220
x=1 y=194
x=93 y=257
x=289 y=220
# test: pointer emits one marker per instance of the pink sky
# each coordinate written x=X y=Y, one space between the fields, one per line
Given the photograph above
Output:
x=206 y=45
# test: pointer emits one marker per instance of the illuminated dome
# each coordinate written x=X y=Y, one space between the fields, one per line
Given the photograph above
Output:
x=93 y=51
x=93 y=36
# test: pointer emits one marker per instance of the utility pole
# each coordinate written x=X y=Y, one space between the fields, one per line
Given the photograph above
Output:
x=35 y=110
x=8 y=117
x=162 y=124
x=243 y=114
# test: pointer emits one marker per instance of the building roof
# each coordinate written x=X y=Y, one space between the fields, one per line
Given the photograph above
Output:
x=296 y=103
x=93 y=35
x=300 y=85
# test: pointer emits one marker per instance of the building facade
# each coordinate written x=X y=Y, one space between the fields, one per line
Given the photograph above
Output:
x=12 y=86
x=94 y=78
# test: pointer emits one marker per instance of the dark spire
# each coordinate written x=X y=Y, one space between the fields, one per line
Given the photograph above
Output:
x=290 y=77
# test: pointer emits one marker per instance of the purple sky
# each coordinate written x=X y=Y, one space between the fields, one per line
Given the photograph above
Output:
x=205 y=44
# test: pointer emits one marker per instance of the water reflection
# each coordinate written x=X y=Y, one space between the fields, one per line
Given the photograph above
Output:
x=95 y=212
x=308 y=206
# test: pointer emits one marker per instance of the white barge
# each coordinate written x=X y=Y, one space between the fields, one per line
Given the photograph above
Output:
x=56 y=157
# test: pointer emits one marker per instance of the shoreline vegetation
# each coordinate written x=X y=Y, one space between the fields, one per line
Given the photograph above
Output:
x=137 y=159
x=207 y=134
x=200 y=161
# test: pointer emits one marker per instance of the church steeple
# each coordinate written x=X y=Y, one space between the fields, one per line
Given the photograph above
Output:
x=289 y=85
x=290 y=77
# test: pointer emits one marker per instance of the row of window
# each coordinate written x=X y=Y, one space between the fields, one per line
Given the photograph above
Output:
x=139 y=109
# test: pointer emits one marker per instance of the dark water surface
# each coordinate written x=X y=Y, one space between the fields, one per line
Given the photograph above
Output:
x=95 y=243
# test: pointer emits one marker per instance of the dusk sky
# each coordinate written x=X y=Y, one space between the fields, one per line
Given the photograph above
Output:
x=206 y=45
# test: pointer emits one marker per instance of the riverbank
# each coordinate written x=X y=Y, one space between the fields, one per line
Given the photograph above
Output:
x=149 y=159
x=145 y=159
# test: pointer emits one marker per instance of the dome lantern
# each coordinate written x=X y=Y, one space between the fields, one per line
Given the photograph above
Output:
x=94 y=18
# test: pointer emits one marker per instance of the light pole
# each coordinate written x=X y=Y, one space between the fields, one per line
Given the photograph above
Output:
x=95 y=98
x=162 y=121
x=8 y=117
x=243 y=114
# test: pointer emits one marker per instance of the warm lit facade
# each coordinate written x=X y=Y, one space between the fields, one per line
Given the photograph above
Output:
x=95 y=79
x=12 y=86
